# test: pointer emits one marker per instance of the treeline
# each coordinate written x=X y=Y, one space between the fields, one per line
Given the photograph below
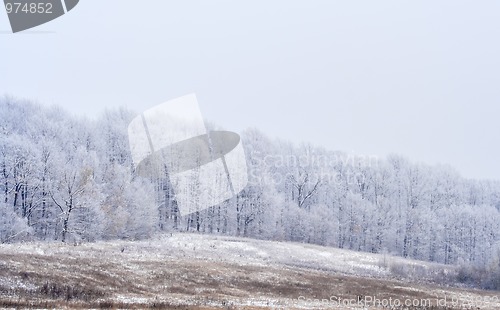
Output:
x=72 y=179
x=69 y=179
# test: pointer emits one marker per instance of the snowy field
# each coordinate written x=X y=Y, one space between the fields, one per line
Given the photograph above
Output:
x=191 y=271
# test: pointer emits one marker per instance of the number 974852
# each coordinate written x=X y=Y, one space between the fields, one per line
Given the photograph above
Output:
x=28 y=8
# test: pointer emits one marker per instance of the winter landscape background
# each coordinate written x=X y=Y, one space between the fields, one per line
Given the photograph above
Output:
x=71 y=180
x=314 y=88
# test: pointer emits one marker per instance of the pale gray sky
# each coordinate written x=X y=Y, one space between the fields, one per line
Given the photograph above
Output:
x=418 y=78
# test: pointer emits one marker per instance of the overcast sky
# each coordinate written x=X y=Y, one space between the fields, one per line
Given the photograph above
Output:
x=417 y=78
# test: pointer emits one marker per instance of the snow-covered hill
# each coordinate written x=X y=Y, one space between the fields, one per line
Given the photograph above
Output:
x=204 y=272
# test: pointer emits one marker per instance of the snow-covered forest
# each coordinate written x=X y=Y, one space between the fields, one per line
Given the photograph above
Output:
x=71 y=179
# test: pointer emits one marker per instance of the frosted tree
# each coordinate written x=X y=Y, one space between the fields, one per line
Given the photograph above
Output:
x=76 y=191
x=12 y=227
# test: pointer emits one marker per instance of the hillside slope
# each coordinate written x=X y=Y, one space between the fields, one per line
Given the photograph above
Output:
x=190 y=271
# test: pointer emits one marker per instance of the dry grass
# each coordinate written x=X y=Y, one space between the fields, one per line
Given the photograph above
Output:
x=106 y=278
